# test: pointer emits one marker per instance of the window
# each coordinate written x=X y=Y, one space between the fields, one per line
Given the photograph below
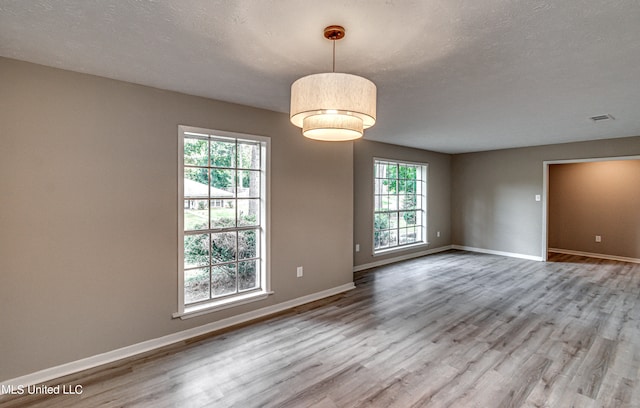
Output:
x=400 y=204
x=223 y=185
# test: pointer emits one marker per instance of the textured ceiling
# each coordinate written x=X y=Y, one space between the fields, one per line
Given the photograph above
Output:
x=452 y=75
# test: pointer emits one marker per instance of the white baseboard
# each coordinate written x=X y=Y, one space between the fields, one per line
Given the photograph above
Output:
x=401 y=258
x=149 y=345
x=501 y=253
x=593 y=255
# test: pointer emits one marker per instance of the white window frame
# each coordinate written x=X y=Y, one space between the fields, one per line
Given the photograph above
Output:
x=424 y=210
x=188 y=311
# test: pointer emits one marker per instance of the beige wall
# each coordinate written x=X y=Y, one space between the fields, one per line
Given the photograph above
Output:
x=597 y=198
x=88 y=212
x=493 y=193
x=438 y=196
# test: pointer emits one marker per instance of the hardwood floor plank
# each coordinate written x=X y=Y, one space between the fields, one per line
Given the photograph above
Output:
x=453 y=329
x=524 y=380
x=616 y=391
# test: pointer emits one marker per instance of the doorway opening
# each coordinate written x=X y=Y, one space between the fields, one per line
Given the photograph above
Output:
x=592 y=208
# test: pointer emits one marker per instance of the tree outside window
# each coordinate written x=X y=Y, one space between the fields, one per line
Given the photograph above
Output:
x=223 y=216
x=399 y=217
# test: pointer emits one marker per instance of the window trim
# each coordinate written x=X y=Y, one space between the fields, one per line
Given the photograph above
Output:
x=425 y=195
x=200 y=308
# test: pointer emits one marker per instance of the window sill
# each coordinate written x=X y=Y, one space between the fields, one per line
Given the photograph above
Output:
x=401 y=248
x=199 y=310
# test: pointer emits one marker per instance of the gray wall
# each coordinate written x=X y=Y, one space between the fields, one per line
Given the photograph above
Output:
x=599 y=198
x=438 y=196
x=493 y=205
x=88 y=212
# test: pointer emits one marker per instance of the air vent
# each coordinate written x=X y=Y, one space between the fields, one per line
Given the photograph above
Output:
x=600 y=118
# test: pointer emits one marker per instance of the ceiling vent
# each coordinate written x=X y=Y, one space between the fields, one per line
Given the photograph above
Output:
x=600 y=118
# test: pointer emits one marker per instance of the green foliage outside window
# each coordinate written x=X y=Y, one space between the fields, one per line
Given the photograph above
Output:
x=380 y=227
x=399 y=203
x=219 y=262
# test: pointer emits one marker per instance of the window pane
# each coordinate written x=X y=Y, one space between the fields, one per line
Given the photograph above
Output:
x=223 y=153
x=196 y=250
x=393 y=220
x=196 y=152
x=223 y=279
x=248 y=275
x=196 y=285
x=402 y=236
x=393 y=237
x=223 y=247
x=195 y=183
x=409 y=217
x=380 y=169
x=406 y=186
x=392 y=202
x=248 y=183
x=223 y=213
x=391 y=171
x=249 y=155
x=378 y=202
x=248 y=212
x=247 y=244
x=381 y=222
x=412 y=234
x=222 y=183
x=418 y=232
x=403 y=171
x=377 y=186
x=408 y=235
x=381 y=239
x=408 y=202
x=407 y=172
x=386 y=186
x=419 y=201
x=196 y=215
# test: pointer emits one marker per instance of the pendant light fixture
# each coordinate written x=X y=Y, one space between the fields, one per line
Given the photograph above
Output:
x=333 y=106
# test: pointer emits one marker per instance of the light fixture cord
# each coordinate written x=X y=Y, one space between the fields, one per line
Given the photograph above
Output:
x=333 y=69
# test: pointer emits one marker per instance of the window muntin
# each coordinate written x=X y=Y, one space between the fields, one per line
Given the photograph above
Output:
x=399 y=217
x=222 y=217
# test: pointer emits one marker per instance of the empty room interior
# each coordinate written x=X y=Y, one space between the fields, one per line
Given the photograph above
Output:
x=319 y=204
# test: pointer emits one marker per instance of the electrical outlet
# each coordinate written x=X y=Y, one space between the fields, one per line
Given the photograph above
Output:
x=598 y=238
x=357 y=247
x=538 y=198
x=438 y=234
x=299 y=272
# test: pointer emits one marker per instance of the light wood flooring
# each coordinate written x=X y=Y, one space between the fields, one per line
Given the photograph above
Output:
x=453 y=329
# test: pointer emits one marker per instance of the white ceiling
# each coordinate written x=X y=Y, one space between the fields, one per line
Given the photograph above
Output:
x=453 y=75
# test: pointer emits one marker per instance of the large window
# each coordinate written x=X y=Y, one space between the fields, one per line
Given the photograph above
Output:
x=223 y=218
x=400 y=204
